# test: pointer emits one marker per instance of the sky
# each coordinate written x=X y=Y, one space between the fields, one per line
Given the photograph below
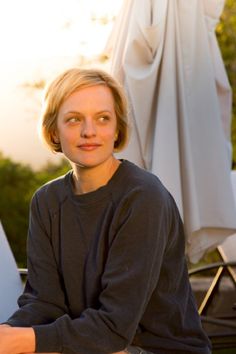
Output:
x=40 y=38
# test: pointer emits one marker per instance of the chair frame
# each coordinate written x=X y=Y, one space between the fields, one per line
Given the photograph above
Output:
x=222 y=268
x=225 y=335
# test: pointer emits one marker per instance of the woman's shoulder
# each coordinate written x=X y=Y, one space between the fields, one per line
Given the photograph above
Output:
x=54 y=190
x=145 y=180
x=142 y=183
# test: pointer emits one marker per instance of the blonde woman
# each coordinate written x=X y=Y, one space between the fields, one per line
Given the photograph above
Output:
x=107 y=271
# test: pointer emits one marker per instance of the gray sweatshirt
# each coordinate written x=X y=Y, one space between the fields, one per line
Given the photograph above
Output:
x=107 y=269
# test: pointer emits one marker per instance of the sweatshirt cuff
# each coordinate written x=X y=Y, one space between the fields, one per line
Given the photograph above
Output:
x=47 y=338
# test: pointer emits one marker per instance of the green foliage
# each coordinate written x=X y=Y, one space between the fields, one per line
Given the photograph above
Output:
x=51 y=171
x=208 y=258
x=18 y=183
x=226 y=34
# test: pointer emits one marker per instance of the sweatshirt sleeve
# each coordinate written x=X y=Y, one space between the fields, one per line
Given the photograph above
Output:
x=141 y=227
x=40 y=304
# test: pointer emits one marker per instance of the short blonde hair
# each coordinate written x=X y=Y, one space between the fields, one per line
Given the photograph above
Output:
x=67 y=83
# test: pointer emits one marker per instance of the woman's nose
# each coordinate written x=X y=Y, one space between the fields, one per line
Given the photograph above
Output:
x=88 y=128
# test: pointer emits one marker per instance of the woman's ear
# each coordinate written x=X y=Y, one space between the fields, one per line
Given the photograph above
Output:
x=55 y=137
x=116 y=135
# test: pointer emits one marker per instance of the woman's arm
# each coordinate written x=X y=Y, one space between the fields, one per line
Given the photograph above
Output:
x=60 y=353
x=37 y=304
x=20 y=341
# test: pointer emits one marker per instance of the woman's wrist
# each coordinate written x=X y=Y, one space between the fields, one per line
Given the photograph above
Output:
x=15 y=340
x=24 y=339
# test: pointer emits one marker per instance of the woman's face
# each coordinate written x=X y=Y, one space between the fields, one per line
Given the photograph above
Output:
x=87 y=125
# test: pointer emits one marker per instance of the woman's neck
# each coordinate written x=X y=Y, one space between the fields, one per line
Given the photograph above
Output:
x=88 y=179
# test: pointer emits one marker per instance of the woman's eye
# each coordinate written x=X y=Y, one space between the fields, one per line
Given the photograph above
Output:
x=73 y=119
x=104 y=119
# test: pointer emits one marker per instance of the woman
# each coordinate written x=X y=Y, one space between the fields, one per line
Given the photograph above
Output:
x=107 y=271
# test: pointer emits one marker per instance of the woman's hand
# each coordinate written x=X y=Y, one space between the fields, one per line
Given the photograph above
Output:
x=6 y=340
x=60 y=353
x=14 y=340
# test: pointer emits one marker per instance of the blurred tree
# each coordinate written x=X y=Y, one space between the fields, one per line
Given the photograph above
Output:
x=18 y=183
x=226 y=34
x=51 y=171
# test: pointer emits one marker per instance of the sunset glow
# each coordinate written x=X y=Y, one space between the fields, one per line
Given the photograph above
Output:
x=38 y=39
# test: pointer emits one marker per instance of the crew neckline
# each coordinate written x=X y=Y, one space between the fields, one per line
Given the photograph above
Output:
x=98 y=194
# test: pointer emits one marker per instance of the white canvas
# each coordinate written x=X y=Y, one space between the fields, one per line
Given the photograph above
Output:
x=166 y=54
x=10 y=282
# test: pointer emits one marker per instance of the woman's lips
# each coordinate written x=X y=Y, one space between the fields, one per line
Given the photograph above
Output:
x=88 y=147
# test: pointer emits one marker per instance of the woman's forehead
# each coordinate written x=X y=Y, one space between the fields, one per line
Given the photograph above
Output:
x=98 y=97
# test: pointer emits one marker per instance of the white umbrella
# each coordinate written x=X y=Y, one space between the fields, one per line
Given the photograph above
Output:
x=166 y=54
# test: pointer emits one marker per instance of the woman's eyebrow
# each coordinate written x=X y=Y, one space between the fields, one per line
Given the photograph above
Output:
x=104 y=111
x=97 y=112
x=77 y=112
x=67 y=113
